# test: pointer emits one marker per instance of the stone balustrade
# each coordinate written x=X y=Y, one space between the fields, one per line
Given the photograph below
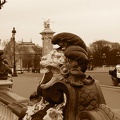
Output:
x=12 y=106
x=6 y=113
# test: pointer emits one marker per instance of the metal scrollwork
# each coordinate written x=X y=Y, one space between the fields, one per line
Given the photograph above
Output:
x=69 y=93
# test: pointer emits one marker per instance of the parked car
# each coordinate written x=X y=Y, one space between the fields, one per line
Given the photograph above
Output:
x=35 y=70
x=115 y=75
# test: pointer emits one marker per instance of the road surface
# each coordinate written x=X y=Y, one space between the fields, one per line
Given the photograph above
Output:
x=27 y=83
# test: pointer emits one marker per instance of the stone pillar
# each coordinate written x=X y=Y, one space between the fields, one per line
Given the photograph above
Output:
x=47 y=35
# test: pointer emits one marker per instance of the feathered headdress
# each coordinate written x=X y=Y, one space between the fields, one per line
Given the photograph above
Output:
x=75 y=48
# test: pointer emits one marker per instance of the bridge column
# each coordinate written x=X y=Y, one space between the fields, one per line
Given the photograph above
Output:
x=47 y=35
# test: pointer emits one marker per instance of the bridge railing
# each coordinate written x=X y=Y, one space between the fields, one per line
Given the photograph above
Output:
x=11 y=104
x=6 y=113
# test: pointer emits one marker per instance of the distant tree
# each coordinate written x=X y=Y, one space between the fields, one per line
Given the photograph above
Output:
x=27 y=61
x=37 y=57
x=112 y=57
x=99 y=48
x=115 y=45
x=9 y=51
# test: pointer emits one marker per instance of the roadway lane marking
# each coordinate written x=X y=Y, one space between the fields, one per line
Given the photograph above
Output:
x=107 y=86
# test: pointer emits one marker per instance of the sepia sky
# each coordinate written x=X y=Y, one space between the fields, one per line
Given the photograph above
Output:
x=90 y=19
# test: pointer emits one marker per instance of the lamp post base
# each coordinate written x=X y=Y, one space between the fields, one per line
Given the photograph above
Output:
x=14 y=75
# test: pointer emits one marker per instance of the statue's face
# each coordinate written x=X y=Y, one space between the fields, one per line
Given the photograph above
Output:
x=53 y=60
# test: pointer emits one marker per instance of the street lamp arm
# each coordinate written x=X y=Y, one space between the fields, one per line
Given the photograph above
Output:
x=2 y=3
x=118 y=56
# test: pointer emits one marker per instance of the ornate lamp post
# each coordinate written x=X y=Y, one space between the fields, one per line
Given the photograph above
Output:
x=91 y=63
x=118 y=57
x=2 y=3
x=91 y=59
x=104 y=57
x=14 y=64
